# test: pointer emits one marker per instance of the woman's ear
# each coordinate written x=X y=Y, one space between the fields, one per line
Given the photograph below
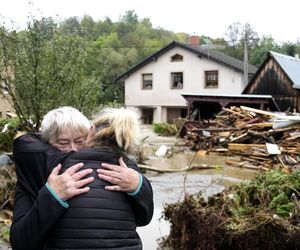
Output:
x=91 y=134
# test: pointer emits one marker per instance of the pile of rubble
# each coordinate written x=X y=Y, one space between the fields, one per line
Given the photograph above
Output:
x=263 y=140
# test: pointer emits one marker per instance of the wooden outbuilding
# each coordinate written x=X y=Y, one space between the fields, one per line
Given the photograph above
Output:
x=278 y=76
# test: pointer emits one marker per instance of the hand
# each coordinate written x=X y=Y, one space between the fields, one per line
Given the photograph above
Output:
x=69 y=183
x=123 y=178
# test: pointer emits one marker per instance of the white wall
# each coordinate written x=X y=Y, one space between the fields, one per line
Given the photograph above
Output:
x=161 y=95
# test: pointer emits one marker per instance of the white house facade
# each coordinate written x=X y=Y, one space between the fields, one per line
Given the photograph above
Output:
x=153 y=88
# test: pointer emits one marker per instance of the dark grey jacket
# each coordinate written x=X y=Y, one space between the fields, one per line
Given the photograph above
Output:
x=102 y=219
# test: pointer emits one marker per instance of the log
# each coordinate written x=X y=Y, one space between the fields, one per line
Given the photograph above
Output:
x=193 y=167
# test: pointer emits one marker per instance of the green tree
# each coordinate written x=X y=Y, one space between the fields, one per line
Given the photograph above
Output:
x=266 y=44
x=236 y=35
x=42 y=69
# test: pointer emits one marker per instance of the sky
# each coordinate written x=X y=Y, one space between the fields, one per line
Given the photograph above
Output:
x=277 y=18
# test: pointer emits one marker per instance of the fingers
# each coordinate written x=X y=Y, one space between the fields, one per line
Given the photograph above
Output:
x=55 y=171
x=72 y=170
x=79 y=175
x=84 y=182
x=80 y=191
x=109 y=178
x=122 y=163
x=109 y=166
x=113 y=188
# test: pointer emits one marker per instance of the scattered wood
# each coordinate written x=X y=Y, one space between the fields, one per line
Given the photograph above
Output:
x=245 y=132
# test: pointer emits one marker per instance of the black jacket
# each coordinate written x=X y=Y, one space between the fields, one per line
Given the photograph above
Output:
x=35 y=208
x=102 y=219
x=37 y=213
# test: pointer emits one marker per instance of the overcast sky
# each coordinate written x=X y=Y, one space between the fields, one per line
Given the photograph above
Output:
x=277 y=18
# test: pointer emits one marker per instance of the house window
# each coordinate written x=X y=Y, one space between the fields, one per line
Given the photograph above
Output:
x=211 y=79
x=147 y=81
x=177 y=80
x=177 y=58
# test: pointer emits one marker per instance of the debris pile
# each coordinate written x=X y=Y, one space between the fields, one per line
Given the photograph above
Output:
x=263 y=140
x=8 y=181
x=261 y=214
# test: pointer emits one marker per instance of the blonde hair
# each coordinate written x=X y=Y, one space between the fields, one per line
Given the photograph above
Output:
x=119 y=126
x=64 y=117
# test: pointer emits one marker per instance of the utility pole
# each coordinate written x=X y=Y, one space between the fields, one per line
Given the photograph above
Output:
x=246 y=59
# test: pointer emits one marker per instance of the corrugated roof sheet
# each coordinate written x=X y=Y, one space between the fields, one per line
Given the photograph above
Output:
x=290 y=65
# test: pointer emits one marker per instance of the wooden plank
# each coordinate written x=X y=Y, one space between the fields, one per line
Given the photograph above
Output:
x=259 y=125
x=259 y=111
x=235 y=113
x=243 y=147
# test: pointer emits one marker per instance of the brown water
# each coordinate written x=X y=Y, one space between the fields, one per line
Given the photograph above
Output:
x=170 y=187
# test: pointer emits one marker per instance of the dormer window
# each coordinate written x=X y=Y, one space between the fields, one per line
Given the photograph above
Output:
x=177 y=58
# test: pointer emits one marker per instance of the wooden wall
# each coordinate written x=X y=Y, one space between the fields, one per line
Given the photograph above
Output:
x=272 y=80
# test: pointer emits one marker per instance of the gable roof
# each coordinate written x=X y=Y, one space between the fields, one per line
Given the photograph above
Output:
x=200 y=52
x=290 y=65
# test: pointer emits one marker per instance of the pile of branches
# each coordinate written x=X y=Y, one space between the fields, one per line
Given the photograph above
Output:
x=246 y=132
x=261 y=214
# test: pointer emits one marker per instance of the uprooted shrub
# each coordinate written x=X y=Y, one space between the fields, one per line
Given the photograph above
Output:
x=261 y=214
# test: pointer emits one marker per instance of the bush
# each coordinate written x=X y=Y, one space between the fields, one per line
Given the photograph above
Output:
x=165 y=129
x=8 y=130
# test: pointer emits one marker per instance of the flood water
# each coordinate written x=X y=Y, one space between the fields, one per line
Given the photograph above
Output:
x=170 y=187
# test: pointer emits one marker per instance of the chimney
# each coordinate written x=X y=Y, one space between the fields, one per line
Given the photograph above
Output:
x=194 y=40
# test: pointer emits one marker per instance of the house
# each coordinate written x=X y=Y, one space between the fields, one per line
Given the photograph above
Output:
x=154 y=86
x=279 y=76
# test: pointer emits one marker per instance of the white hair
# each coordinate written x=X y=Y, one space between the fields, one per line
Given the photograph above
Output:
x=119 y=124
x=64 y=117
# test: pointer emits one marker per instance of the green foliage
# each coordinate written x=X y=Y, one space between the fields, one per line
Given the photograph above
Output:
x=4 y=232
x=44 y=68
x=165 y=129
x=272 y=191
x=6 y=137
